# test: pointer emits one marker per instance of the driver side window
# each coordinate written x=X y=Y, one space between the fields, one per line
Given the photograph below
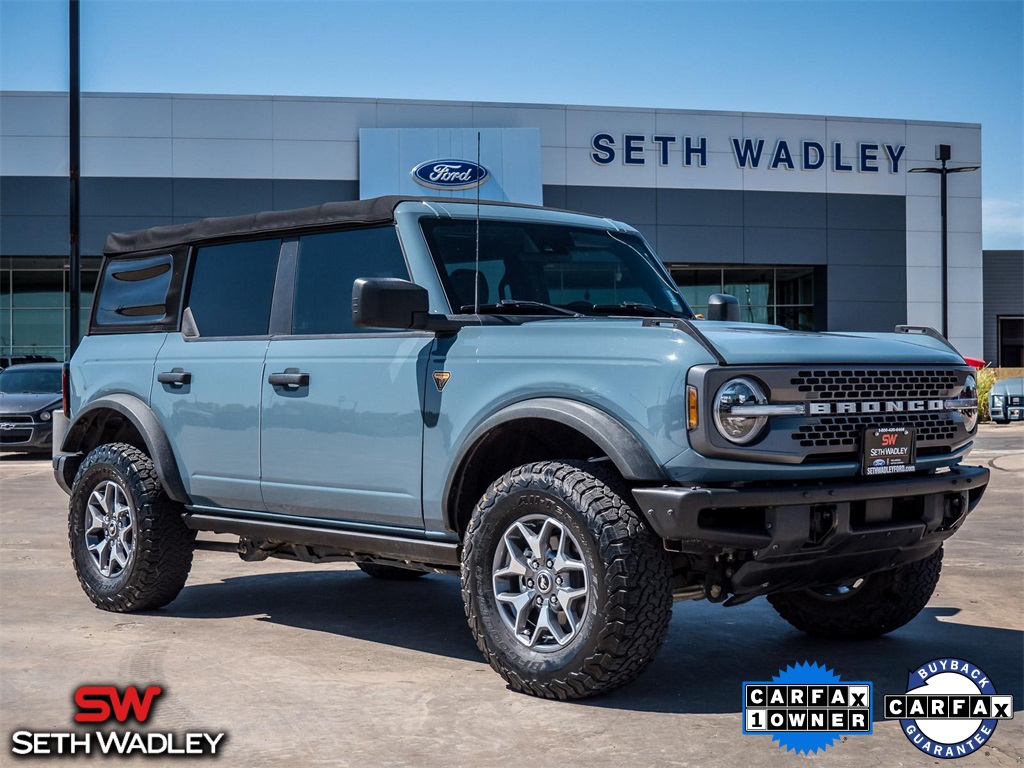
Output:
x=328 y=264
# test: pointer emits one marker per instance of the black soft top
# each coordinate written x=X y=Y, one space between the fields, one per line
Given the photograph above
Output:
x=374 y=211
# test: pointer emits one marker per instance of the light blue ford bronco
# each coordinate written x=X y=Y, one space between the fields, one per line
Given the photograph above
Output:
x=517 y=395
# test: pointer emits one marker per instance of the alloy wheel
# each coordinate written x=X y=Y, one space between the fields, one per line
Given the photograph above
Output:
x=541 y=583
x=110 y=528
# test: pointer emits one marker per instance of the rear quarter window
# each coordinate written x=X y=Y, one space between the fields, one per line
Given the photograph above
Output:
x=139 y=293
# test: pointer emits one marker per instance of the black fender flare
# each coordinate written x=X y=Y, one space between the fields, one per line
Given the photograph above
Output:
x=141 y=416
x=625 y=450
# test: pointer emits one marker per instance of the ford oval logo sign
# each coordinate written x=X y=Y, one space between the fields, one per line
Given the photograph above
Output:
x=450 y=174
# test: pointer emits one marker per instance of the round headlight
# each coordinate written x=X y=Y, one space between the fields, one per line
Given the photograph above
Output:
x=970 y=417
x=45 y=415
x=736 y=428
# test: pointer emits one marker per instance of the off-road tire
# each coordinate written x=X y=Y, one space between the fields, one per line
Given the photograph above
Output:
x=162 y=555
x=630 y=599
x=389 y=572
x=883 y=603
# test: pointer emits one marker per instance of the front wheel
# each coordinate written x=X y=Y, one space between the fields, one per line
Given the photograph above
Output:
x=567 y=589
x=870 y=607
x=130 y=548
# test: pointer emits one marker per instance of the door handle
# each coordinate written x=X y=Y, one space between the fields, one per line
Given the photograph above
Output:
x=174 y=378
x=288 y=379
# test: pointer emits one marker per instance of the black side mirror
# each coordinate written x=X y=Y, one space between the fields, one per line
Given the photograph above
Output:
x=387 y=302
x=723 y=306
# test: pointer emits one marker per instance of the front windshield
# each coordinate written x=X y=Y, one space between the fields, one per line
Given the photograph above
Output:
x=585 y=270
x=29 y=382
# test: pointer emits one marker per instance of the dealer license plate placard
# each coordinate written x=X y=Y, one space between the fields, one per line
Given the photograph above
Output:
x=889 y=450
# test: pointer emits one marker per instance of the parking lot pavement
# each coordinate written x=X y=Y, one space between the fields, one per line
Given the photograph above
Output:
x=325 y=666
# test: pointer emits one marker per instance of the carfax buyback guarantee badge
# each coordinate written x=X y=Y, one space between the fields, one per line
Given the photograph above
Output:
x=950 y=708
x=806 y=708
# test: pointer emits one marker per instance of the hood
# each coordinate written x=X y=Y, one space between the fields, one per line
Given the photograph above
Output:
x=1009 y=387
x=26 y=403
x=756 y=344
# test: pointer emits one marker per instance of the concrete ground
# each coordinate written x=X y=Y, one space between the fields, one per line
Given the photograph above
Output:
x=325 y=666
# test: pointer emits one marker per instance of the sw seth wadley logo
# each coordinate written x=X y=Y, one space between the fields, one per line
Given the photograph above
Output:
x=101 y=704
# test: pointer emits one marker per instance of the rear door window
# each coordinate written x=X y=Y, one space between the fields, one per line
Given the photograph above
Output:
x=233 y=288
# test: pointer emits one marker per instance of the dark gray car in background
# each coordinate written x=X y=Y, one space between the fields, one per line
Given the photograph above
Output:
x=29 y=394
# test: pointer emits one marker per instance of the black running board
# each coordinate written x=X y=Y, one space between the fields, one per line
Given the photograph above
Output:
x=441 y=553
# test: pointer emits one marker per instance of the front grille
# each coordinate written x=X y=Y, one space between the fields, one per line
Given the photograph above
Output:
x=837 y=393
x=875 y=383
x=1016 y=400
x=845 y=431
x=16 y=419
x=836 y=434
x=12 y=436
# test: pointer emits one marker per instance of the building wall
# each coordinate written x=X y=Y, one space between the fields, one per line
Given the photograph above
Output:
x=1004 y=295
x=34 y=219
x=157 y=158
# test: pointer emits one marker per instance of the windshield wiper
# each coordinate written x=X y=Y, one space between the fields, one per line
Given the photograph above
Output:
x=517 y=304
x=634 y=308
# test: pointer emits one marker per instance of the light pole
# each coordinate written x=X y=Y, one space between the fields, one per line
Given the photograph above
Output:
x=74 y=173
x=942 y=153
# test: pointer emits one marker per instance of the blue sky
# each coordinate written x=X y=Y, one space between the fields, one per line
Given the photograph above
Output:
x=959 y=61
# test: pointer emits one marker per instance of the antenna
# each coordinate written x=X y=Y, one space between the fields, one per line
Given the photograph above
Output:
x=476 y=273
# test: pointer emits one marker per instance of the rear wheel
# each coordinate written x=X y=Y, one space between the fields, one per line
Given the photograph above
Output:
x=567 y=589
x=389 y=572
x=130 y=548
x=869 y=607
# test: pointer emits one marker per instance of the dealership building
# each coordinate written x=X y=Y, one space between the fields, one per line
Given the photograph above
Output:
x=812 y=222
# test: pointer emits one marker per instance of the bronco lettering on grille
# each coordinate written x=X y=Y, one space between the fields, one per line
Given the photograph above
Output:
x=877 y=406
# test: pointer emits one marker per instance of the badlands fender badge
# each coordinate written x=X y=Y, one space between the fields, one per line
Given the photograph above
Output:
x=441 y=378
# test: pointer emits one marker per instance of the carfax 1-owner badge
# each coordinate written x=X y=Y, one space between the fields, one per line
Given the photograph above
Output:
x=806 y=708
x=950 y=708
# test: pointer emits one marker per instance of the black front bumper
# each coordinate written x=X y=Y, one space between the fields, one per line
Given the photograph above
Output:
x=783 y=537
x=1006 y=412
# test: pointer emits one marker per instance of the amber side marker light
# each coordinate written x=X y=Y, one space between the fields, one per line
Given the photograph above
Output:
x=691 y=407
